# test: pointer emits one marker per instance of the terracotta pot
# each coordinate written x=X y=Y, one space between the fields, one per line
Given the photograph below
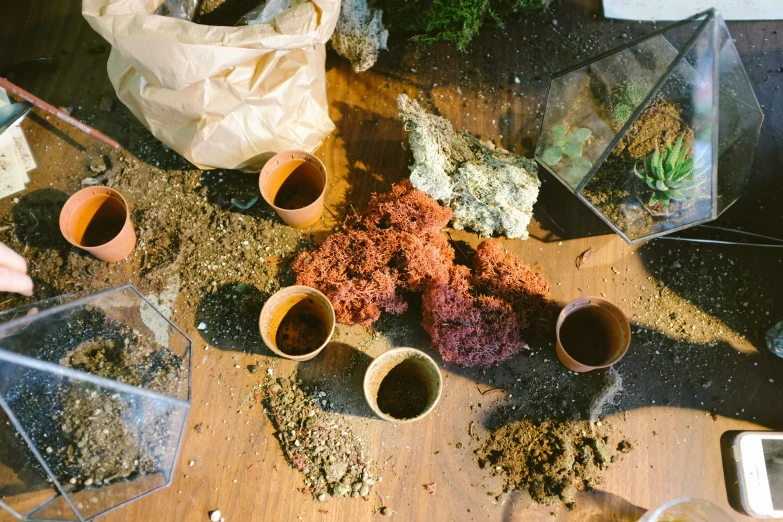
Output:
x=591 y=333
x=297 y=322
x=97 y=219
x=294 y=184
x=402 y=385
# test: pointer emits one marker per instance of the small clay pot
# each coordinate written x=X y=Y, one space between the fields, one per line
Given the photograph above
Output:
x=297 y=322
x=97 y=219
x=402 y=385
x=294 y=184
x=591 y=333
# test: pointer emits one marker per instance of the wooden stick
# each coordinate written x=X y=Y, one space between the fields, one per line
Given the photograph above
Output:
x=38 y=102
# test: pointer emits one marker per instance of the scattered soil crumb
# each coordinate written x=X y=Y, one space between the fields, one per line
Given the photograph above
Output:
x=319 y=444
x=551 y=459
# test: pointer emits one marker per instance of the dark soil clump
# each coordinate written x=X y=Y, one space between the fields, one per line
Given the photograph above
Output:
x=402 y=394
x=551 y=459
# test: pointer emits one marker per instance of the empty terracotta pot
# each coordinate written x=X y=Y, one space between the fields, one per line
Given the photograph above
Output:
x=97 y=219
x=294 y=184
x=402 y=385
x=591 y=333
x=297 y=322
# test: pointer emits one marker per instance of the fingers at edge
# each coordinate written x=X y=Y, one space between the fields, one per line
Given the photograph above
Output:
x=12 y=260
x=12 y=281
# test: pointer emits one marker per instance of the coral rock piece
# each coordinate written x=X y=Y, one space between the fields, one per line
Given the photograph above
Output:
x=359 y=34
x=394 y=243
x=491 y=190
x=479 y=318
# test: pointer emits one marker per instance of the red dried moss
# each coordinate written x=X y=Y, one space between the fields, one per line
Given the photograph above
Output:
x=466 y=329
x=394 y=244
x=406 y=209
x=479 y=318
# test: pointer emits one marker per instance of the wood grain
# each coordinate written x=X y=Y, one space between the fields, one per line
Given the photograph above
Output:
x=239 y=467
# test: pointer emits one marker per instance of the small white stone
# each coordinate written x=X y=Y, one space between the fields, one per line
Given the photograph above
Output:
x=516 y=79
x=88 y=482
x=49 y=449
x=192 y=463
x=202 y=326
x=215 y=516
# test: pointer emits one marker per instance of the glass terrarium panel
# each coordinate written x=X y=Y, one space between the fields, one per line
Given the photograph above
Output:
x=98 y=388
x=24 y=484
x=114 y=333
x=659 y=177
x=739 y=120
x=93 y=438
x=588 y=107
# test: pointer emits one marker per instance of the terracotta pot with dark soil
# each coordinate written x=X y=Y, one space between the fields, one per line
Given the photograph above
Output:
x=97 y=219
x=592 y=333
x=297 y=322
x=294 y=184
x=402 y=385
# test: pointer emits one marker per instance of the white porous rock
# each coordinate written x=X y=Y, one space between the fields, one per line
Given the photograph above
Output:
x=360 y=34
x=490 y=190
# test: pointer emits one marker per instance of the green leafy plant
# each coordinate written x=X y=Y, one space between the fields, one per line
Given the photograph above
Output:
x=627 y=98
x=671 y=176
x=570 y=145
x=455 y=21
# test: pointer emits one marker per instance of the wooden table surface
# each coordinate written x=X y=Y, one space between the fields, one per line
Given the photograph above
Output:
x=239 y=466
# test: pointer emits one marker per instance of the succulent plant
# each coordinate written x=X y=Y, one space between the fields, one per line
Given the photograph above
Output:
x=671 y=176
x=569 y=144
x=627 y=98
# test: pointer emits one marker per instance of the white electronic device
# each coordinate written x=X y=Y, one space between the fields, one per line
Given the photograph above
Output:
x=759 y=456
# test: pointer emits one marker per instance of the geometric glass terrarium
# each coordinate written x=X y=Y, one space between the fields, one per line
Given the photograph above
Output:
x=657 y=135
x=95 y=395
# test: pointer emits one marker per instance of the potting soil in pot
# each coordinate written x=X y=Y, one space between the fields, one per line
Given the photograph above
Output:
x=402 y=393
x=302 y=330
x=98 y=437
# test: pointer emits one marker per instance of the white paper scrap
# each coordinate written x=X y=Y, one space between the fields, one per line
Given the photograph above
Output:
x=670 y=10
x=16 y=158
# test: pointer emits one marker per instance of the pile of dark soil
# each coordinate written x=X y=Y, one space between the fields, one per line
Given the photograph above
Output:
x=224 y=12
x=318 y=444
x=551 y=459
x=91 y=435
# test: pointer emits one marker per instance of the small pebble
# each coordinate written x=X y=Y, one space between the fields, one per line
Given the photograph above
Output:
x=203 y=326
x=385 y=511
x=215 y=516
x=192 y=463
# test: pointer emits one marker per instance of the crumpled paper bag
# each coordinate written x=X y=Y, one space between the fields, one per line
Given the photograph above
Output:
x=222 y=97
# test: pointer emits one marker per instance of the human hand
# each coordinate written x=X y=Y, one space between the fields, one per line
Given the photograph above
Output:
x=13 y=273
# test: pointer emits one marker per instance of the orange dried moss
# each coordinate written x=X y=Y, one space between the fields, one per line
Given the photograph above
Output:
x=480 y=318
x=393 y=244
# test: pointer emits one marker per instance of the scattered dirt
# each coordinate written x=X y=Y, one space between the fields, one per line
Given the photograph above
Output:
x=319 y=444
x=552 y=460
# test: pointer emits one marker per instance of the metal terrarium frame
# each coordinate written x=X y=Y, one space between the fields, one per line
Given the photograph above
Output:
x=709 y=20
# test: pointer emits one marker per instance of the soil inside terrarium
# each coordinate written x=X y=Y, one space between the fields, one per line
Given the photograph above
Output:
x=618 y=194
x=403 y=393
x=89 y=435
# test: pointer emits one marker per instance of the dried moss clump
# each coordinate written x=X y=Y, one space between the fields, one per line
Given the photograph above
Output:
x=490 y=190
x=394 y=244
x=480 y=318
x=359 y=34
